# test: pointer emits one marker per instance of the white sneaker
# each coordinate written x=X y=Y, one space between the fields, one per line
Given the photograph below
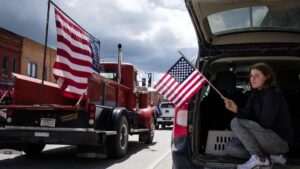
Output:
x=278 y=159
x=254 y=162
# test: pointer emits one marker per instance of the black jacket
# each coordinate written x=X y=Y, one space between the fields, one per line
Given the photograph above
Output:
x=269 y=109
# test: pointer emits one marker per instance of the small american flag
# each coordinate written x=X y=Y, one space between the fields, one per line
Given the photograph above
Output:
x=158 y=110
x=77 y=56
x=180 y=83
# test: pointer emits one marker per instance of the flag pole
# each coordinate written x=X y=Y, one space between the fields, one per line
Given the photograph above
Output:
x=45 y=54
x=203 y=75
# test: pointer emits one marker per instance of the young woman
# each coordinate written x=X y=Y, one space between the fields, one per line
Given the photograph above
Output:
x=263 y=127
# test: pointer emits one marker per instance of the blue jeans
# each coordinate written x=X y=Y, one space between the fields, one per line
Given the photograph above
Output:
x=254 y=139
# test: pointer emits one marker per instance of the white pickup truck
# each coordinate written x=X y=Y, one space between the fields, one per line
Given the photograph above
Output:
x=165 y=114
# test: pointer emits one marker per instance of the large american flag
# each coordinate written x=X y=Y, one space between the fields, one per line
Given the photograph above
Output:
x=77 y=56
x=180 y=83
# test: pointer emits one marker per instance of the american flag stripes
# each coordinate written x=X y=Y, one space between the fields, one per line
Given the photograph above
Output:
x=77 y=56
x=180 y=83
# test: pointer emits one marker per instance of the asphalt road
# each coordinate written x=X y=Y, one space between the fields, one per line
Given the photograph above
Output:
x=139 y=156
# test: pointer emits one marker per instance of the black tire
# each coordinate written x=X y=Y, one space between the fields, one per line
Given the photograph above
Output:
x=147 y=137
x=156 y=126
x=163 y=126
x=117 y=144
x=33 y=149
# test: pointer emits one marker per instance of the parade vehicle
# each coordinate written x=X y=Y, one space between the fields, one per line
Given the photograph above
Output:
x=165 y=114
x=99 y=123
x=232 y=36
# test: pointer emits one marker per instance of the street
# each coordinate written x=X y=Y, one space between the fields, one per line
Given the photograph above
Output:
x=139 y=155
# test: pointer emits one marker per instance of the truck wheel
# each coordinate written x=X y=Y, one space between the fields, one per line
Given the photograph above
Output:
x=147 y=137
x=117 y=145
x=33 y=149
x=157 y=126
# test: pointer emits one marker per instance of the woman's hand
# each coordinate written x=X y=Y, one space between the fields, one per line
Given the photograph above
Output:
x=230 y=104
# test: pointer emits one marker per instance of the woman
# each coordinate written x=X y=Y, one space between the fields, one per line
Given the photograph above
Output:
x=263 y=127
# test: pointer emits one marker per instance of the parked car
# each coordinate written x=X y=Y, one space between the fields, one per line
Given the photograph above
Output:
x=164 y=114
x=233 y=35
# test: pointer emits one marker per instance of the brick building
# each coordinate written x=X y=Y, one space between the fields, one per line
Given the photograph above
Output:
x=32 y=60
x=10 y=52
x=24 y=56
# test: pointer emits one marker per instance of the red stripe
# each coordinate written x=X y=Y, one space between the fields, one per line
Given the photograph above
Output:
x=65 y=54
x=172 y=91
x=164 y=83
x=160 y=80
x=188 y=90
x=67 y=21
x=72 y=83
x=184 y=86
x=170 y=86
x=72 y=47
x=67 y=68
x=195 y=91
x=71 y=34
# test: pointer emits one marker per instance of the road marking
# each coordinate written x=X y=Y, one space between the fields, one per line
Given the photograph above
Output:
x=158 y=160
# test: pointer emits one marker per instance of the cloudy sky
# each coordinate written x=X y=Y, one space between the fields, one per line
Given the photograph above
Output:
x=151 y=31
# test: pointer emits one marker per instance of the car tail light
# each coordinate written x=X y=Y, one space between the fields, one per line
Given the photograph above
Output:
x=180 y=122
x=92 y=110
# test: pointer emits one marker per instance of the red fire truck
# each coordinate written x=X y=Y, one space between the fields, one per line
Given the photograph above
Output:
x=99 y=125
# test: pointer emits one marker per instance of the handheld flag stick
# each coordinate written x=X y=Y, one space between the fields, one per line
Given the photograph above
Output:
x=203 y=76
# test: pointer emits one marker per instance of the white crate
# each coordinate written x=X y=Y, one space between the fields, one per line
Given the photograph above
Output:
x=216 y=141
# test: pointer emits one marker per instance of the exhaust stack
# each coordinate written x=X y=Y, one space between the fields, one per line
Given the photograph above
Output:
x=119 y=62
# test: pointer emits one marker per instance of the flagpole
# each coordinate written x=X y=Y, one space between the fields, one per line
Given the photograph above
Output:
x=45 y=53
x=203 y=75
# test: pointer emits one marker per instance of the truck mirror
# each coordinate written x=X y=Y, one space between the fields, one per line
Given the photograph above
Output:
x=143 y=81
x=149 y=79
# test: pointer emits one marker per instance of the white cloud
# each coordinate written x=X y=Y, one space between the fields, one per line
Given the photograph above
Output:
x=151 y=31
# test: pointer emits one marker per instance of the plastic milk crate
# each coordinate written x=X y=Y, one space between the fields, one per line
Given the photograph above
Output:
x=216 y=141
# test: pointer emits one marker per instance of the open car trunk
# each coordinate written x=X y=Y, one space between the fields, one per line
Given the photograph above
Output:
x=211 y=120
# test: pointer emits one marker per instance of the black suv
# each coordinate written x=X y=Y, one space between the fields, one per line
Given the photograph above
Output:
x=233 y=35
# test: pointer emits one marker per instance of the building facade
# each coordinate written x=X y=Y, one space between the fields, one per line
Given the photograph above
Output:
x=32 y=60
x=10 y=53
x=24 y=56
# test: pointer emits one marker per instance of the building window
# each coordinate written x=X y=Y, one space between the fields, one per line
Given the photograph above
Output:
x=4 y=66
x=14 y=65
x=32 y=69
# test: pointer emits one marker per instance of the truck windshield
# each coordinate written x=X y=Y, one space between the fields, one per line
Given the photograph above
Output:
x=109 y=75
x=255 y=18
x=167 y=105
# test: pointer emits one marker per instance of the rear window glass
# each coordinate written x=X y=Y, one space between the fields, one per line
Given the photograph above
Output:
x=109 y=75
x=254 y=18
x=167 y=105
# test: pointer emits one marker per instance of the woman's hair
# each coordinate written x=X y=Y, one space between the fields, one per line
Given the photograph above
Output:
x=268 y=72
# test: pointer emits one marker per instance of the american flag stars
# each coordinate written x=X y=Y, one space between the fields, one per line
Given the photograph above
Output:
x=181 y=70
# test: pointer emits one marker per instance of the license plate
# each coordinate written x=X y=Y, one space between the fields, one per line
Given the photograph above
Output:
x=47 y=122
x=167 y=118
x=41 y=134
